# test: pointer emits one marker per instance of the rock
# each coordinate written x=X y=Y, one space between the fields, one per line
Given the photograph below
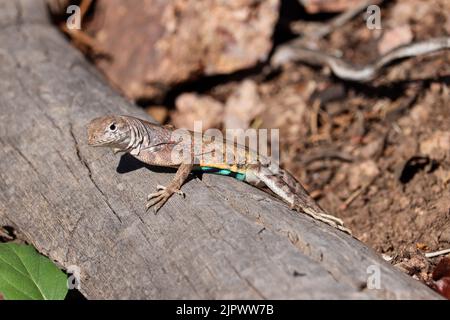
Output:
x=192 y=107
x=441 y=277
x=178 y=40
x=243 y=106
x=437 y=145
x=159 y=113
x=395 y=37
x=287 y=111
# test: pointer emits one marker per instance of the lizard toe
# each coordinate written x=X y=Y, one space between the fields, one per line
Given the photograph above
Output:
x=333 y=218
x=181 y=193
x=161 y=191
x=157 y=199
x=153 y=195
x=159 y=205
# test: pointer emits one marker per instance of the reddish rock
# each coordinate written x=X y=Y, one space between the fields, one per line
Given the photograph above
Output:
x=154 y=44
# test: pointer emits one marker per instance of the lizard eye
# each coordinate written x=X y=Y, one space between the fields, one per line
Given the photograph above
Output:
x=112 y=127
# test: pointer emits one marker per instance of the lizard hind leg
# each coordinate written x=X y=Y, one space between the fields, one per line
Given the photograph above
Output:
x=305 y=200
x=293 y=193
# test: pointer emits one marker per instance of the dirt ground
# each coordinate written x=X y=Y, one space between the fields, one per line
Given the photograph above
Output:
x=376 y=154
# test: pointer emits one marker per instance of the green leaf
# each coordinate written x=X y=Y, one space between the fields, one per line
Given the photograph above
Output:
x=25 y=274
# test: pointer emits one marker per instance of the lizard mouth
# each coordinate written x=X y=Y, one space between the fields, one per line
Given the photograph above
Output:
x=98 y=143
x=95 y=141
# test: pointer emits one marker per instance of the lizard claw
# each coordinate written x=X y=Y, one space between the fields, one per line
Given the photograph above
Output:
x=327 y=218
x=181 y=193
x=159 y=198
x=177 y=191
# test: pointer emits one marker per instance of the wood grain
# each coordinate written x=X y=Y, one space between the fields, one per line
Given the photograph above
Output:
x=86 y=207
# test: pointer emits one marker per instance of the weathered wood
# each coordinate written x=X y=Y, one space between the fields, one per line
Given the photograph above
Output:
x=75 y=203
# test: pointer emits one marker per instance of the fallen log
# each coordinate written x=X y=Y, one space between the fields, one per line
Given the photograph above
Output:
x=84 y=207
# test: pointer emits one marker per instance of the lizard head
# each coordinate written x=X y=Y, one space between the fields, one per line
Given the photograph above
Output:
x=109 y=131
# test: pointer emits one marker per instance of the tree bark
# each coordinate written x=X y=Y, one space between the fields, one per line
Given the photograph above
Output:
x=85 y=207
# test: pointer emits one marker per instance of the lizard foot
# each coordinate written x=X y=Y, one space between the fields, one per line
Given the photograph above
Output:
x=331 y=220
x=159 y=198
x=177 y=191
x=326 y=218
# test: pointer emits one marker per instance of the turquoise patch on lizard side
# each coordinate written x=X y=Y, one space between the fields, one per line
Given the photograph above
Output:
x=223 y=172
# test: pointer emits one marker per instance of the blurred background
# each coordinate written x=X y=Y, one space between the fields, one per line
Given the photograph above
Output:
x=375 y=153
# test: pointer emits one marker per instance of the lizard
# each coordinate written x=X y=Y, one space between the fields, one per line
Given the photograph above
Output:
x=166 y=146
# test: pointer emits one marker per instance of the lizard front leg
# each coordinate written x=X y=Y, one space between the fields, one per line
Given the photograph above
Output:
x=157 y=199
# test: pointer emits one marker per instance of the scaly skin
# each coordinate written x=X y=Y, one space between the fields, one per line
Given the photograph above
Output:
x=167 y=147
